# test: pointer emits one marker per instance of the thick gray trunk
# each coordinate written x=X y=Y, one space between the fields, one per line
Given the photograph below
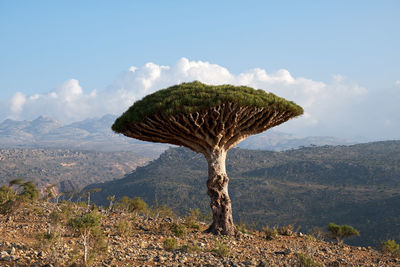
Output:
x=217 y=185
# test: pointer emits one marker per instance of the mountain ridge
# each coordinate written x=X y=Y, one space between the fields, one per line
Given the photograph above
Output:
x=96 y=134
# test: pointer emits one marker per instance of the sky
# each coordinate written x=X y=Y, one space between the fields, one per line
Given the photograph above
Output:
x=339 y=60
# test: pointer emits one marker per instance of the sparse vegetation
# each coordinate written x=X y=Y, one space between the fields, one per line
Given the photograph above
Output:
x=11 y=199
x=132 y=204
x=221 y=249
x=87 y=226
x=179 y=230
x=192 y=218
x=124 y=227
x=391 y=247
x=286 y=230
x=63 y=243
x=270 y=232
x=307 y=261
x=170 y=244
x=339 y=232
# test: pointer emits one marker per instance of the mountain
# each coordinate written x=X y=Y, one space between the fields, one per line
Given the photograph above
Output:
x=278 y=141
x=357 y=185
x=96 y=134
x=90 y=134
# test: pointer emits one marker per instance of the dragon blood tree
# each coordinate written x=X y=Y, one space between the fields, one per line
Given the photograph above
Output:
x=209 y=120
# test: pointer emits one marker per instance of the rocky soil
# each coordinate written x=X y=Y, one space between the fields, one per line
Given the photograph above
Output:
x=143 y=244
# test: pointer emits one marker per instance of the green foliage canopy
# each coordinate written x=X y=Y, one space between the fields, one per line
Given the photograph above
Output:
x=341 y=231
x=195 y=96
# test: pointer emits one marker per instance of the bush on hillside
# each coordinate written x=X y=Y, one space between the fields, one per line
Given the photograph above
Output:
x=339 y=232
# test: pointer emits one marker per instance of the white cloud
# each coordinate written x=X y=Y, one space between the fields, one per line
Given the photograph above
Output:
x=17 y=102
x=329 y=106
x=397 y=82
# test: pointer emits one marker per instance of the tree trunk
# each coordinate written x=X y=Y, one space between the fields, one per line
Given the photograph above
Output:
x=85 y=249
x=217 y=185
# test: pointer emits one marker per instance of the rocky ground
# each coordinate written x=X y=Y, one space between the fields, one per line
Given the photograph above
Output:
x=139 y=240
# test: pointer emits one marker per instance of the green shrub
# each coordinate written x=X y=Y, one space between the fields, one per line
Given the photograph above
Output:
x=390 y=246
x=179 y=230
x=270 y=232
x=29 y=192
x=170 y=244
x=132 y=204
x=339 y=232
x=191 y=219
x=87 y=225
x=306 y=261
x=221 y=249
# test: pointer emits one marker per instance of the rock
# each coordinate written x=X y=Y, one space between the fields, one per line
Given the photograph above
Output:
x=248 y=263
x=284 y=252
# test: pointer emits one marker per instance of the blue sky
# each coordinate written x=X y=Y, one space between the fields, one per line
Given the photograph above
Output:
x=45 y=44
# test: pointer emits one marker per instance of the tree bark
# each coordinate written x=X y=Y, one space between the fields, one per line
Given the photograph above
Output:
x=217 y=185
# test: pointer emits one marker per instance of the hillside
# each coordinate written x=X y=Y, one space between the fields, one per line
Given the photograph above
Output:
x=68 y=169
x=357 y=185
x=149 y=239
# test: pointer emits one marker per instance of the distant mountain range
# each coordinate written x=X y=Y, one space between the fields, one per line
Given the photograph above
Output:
x=96 y=134
x=357 y=185
x=89 y=134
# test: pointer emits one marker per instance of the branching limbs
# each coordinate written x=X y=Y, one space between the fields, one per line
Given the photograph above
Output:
x=220 y=127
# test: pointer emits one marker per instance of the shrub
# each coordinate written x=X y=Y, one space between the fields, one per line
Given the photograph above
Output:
x=178 y=230
x=46 y=239
x=286 y=230
x=191 y=219
x=6 y=193
x=190 y=248
x=124 y=227
x=339 y=232
x=306 y=261
x=87 y=225
x=29 y=192
x=221 y=249
x=390 y=246
x=270 y=232
x=170 y=244
x=10 y=206
x=132 y=205
x=242 y=227
x=318 y=233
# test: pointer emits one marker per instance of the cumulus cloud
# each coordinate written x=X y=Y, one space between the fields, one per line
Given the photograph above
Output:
x=17 y=102
x=328 y=106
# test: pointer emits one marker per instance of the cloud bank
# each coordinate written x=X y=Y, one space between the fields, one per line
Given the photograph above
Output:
x=334 y=108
